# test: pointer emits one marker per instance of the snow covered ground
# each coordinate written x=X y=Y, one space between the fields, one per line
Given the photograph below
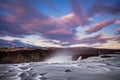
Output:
x=92 y=68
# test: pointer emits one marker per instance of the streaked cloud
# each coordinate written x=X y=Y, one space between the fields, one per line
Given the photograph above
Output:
x=79 y=12
x=13 y=43
x=20 y=19
x=100 y=38
x=101 y=7
x=51 y=5
x=99 y=26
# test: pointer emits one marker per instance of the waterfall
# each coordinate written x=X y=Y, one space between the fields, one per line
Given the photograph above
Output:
x=59 y=58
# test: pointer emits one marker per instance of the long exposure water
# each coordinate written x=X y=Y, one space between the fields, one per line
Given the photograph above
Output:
x=92 y=68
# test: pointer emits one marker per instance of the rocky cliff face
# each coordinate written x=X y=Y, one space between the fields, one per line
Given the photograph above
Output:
x=18 y=55
x=24 y=56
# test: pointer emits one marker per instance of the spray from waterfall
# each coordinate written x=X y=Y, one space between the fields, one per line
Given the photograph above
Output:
x=60 y=57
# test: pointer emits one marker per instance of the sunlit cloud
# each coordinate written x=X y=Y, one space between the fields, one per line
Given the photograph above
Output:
x=100 y=38
x=99 y=26
x=21 y=19
x=117 y=22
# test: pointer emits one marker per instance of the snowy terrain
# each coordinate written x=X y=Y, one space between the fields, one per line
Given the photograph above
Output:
x=92 y=68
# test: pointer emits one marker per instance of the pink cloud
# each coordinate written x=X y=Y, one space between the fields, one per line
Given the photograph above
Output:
x=99 y=26
x=117 y=22
x=101 y=7
x=77 y=17
x=60 y=31
x=17 y=9
x=11 y=18
x=48 y=27
x=44 y=25
x=31 y=20
x=2 y=5
x=71 y=20
x=80 y=14
x=118 y=31
x=20 y=10
x=100 y=38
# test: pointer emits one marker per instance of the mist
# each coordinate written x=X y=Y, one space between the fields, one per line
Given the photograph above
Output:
x=60 y=57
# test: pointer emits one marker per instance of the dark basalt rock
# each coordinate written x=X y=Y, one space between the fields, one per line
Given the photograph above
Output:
x=68 y=70
x=22 y=55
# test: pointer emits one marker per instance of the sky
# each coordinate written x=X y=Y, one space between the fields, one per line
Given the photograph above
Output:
x=60 y=23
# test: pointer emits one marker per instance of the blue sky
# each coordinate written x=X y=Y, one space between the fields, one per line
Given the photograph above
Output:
x=60 y=23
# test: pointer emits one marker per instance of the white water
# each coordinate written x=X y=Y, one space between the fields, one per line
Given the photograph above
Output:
x=59 y=58
x=92 y=68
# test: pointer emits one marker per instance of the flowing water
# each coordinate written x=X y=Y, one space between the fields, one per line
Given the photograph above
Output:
x=60 y=68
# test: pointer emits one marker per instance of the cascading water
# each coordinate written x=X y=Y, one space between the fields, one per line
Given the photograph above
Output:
x=92 y=68
x=59 y=58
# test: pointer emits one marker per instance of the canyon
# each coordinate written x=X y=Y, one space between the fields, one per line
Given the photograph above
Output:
x=22 y=55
